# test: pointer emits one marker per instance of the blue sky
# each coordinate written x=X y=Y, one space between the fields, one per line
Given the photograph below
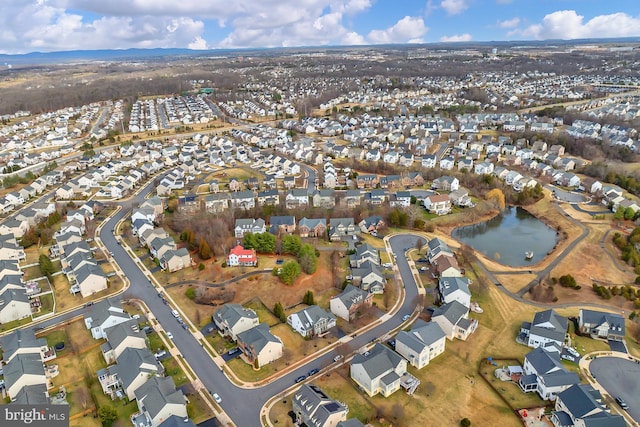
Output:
x=51 y=25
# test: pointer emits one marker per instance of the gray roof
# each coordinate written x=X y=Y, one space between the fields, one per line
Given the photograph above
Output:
x=232 y=313
x=311 y=315
x=315 y=406
x=421 y=334
x=615 y=321
x=581 y=401
x=13 y=295
x=449 y=285
x=32 y=395
x=258 y=337
x=175 y=421
x=120 y=332
x=379 y=362
x=453 y=312
x=544 y=361
x=312 y=222
x=352 y=295
x=102 y=310
x=156 y=393
x=435 y=243
x=250 y=223
x=20 y=339
x=23 y=364
x=129 y=364
x=549 y=324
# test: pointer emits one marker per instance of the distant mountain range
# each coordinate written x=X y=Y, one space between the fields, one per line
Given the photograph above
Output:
x=42 y=58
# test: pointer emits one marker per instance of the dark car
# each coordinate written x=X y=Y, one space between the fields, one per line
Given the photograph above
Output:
x=301 y=378
x=184 y=326
x=279 y=261
x=233 y=351
x=620 y=401
x=313 y=372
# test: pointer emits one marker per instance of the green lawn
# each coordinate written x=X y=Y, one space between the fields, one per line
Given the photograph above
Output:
x=172 y=369
x=264 y=314
x=56 y=336
x=155 y=342
x=47 y=305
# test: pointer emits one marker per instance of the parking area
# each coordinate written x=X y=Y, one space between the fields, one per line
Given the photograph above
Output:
x=618 y=346
x=620 y=378
x=568 y=196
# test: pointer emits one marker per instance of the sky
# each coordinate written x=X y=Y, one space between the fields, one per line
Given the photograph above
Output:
x=58 y=25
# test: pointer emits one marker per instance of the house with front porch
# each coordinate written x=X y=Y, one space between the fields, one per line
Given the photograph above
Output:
x=312 y=227
x=311 y=321
x=600 y=324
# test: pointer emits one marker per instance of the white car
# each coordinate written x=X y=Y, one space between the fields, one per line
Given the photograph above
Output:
x=217 y=398
x=338 y=357
x=405 y=317
x=170 y=335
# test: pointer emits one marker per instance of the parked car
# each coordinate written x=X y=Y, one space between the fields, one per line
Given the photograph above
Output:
x=405 y=317
x=160 y=353
x=175 y=313
x=338 y=357
x=313 y=372
x=233 y=351
x=169 y=335
x=620 y=401
x=300 y=378
x=217 y=398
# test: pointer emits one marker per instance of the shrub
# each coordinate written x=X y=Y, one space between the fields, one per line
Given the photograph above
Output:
x=190 y=293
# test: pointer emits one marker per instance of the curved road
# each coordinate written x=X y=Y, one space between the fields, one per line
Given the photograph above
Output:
x=243 y=405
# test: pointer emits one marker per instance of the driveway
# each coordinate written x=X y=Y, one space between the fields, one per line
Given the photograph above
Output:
x=618 y=346
x=619 y=377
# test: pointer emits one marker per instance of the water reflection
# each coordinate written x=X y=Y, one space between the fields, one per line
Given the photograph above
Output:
x=507 y=237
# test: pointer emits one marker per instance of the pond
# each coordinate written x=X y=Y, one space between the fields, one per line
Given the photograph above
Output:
x=510 y=238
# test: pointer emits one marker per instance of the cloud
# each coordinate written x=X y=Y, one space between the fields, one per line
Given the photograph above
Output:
x=26 y=25
x=198 y=44
x=408 y=29
x=509 y=23
x=454 y=7
x=456 y=38
x=567 y=24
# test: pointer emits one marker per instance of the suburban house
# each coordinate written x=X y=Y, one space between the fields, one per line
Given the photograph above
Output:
x=379 y=371
x=241 y=257
x=454 y=289
x=158 y=400
x=259 y=345
x=583 y=405
x=437 y=248
x=90 y=279
x=133 y=368
x=104 y=314
x=249 y=225
x=341 y=227
x=297 y=197
x=447 y=266
x=439 y=204
x=598 y=324
x=347 y=304
x=547 y=327
x=123 y=335
x=365 y=252
x=446 y=183
x=311 y=321
x=232 y=319
x=24 y=369
x=14 y=305
x=324 y=199
x=454 y=321
x=369 y=277
x=422 y=343
x=312 y=227
x=315 y=409
x=282 y=224
x=545 y=374
x=174 y=260
x=371 y=224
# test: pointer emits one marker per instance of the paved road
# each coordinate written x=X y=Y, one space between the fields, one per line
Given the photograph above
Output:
x=557 y=258
x=620 y=378
x=566 y=196
x=579 y=208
